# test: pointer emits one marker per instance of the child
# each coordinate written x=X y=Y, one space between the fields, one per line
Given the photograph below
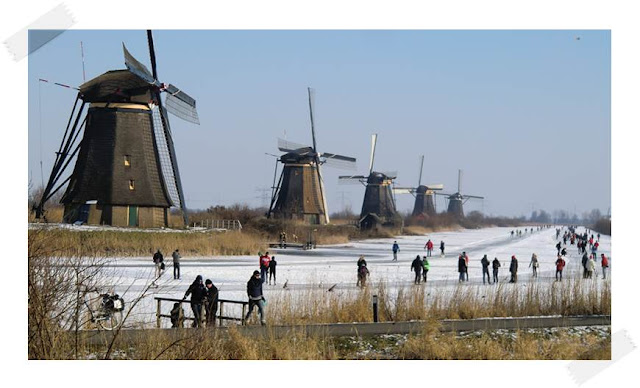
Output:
x=177 y=315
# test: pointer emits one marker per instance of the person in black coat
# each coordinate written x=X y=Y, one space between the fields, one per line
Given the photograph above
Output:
x=585 y=260
x=416 y=265
x=485 y=269
x=211 y=305
x=513 y=268
x=198 y=296
x=496 y=265
x=254 y=291
x=272 y=270
x=462 y=268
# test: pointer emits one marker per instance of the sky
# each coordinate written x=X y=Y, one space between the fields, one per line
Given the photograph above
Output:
x=526 y=114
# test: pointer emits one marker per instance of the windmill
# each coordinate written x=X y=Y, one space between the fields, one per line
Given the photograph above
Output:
x=424 y=204
x=378 y=206
x=457 y=199
x=300 y=193
x=126 y=171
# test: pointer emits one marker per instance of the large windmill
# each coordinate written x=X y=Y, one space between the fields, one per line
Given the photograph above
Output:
x=300 y=194
x=126 y=171
x=457 y=199
x=424 y=204
x=379 y=205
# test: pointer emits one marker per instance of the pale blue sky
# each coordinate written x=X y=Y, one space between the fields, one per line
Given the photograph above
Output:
x=525 y=114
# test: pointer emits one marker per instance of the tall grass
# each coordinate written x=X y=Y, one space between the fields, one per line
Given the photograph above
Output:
x=570 y=297
x=109 y=243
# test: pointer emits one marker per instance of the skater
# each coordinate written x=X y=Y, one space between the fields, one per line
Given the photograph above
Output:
x=264 y=266
x=395 y=249
x=158 y=260
x=598 y=236
x=591 y=266
x=496 y=265
x=254 y=292
x=283 y=239
x=272 y=270
x=416 y=265
x=585 y=260
x=429 y=246
x=425 y=268
x=513 y=268
x=605 y=265
x=211 y=306
x=563 y=252
x=534 y=264
x=466 y=261
x=462 y=268
x=441 y=248
x=560 y=263
x=177 y=316
x=176 y=263
x=485 y=269
x=558 y=246
x=198 y=296
x=363 y=272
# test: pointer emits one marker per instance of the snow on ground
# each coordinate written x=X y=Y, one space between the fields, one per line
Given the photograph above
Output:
x=321 y=268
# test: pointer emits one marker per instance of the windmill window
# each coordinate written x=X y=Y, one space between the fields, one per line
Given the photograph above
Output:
x=127 y=160
x=132 y=184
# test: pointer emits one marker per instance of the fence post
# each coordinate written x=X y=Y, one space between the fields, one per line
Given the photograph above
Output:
x=221 y=312
x=158 y=312
x=244 y=306
x=375 y=308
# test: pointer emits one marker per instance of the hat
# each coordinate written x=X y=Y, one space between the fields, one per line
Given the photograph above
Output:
x=208 y=281
x=256 y=273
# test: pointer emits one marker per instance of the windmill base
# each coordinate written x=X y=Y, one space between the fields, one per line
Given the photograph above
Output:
x=113 y=215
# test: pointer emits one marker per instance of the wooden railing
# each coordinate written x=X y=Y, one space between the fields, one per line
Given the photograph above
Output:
x=219 y=224
x=220 y=317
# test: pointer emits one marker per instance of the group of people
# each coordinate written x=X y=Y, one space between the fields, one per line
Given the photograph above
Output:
x=202 y=295
x=463 y=268
x=158 y=261
x=267 y=267
x=421 y=268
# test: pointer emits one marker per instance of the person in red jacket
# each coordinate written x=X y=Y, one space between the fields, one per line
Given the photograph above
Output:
x=605 y=265
x=264 y=266
x=560 y=263
x=429 y=246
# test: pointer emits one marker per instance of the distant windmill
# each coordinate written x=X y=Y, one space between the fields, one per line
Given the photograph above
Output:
x=424 y=204
x=457 y=199
x=126 y=172
x=300 y=193
x=378 y=206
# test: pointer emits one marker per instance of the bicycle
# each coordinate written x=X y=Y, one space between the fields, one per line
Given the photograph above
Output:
x=108 y=313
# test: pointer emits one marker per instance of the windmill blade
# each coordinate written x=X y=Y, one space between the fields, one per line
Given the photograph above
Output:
x=459 y=180
x=421 y=165
x=329 y=155
x=288 y=146
x=351 y=179
x=473 y=196
x=137 y=68
x=340 y=164
x=311 y=103
x=178 y=105
x=403 y=190
x=374 y=139
x=339 y=161
x=435 y=187
x=443 y=194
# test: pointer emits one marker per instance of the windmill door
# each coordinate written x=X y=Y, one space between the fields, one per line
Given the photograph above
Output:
x=133 y=216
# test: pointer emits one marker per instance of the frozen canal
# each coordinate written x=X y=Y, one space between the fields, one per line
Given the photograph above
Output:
x=321 y=268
